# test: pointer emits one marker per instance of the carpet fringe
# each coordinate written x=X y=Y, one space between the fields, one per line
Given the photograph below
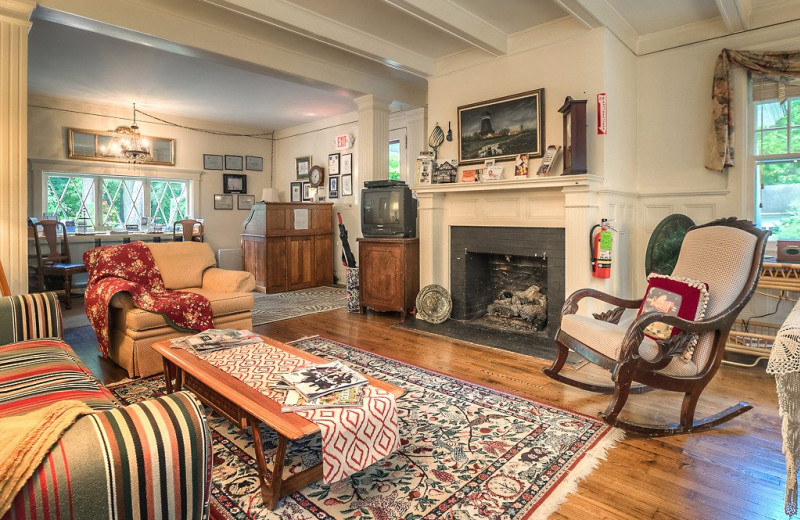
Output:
x=298 y=340
x=582 y=469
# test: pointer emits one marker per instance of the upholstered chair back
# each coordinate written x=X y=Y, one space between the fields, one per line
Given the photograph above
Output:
x=182 y=263
x=722 y=257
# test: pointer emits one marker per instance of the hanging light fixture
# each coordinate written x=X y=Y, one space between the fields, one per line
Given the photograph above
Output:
x=129 y=143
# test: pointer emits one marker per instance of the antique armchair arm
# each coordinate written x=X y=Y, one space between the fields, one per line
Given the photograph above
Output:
x=571 y=305
x=670 y=347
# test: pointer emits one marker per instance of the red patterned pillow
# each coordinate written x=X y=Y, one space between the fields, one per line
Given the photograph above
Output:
x=679 y=296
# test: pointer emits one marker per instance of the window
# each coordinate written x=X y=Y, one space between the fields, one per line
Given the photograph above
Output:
x=777 y=155
x=394 y=159
x=113 y=202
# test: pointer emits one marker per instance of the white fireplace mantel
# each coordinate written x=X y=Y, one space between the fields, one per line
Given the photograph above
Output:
x=567 y=201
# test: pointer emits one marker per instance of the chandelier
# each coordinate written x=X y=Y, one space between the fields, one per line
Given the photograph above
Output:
x=129 y=143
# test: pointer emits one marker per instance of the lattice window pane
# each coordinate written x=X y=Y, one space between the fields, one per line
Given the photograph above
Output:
x=67 y=196
x=123 y=202
x=168 y=201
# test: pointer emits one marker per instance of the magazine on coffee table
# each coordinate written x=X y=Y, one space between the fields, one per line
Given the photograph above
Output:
x=216 y=339
x=317 y=380
x=294 y=401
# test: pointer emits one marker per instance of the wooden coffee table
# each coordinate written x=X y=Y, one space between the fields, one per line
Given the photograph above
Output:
x=244 y=406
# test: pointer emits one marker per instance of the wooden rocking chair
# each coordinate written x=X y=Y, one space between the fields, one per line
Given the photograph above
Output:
x=727 y=255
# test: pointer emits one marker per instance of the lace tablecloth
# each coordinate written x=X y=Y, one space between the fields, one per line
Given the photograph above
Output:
x=784 y=364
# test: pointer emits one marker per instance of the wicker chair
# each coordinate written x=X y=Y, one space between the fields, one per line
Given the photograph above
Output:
x=727 y=255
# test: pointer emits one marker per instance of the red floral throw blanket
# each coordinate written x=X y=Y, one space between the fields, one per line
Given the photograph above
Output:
x=131 y=268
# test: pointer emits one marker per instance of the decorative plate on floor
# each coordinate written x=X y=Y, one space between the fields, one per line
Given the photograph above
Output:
x=434 y=304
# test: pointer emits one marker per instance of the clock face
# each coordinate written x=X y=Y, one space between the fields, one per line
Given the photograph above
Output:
x=316 y=175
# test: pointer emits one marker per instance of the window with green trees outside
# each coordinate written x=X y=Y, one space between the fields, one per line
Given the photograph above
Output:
x=394 y=160
x=114 y=202
x=777 y=157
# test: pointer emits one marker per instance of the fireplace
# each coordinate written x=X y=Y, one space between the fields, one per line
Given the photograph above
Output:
x=508 y=278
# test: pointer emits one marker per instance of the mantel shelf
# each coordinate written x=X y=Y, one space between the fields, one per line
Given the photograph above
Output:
x=561 y=181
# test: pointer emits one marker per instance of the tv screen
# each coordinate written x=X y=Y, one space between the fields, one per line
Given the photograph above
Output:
x=389 y=212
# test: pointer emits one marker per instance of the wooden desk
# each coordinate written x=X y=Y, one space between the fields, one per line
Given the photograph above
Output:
x=288 y=246
x=245 y=407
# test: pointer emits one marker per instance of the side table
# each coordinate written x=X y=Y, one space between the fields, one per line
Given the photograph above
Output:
x=389 y=273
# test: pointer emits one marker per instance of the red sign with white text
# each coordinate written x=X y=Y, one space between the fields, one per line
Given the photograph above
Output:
x=602 y=114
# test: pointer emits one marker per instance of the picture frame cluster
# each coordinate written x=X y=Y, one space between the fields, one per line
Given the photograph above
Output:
x=339 y=181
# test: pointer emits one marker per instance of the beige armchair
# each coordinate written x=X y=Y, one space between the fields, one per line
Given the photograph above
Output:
x=184 y=266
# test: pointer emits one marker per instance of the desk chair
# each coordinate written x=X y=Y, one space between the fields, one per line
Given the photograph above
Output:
x=52 y=258
x=188 y=234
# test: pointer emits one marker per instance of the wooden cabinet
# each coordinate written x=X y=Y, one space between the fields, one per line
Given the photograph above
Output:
x=389 y=273
x=288 y=246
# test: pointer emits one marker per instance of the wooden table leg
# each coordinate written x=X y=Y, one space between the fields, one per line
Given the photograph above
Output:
x=68 y=291
x=270 y=490
x=168 y=374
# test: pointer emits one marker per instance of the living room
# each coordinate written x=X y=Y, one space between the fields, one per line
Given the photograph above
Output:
x=393 y=71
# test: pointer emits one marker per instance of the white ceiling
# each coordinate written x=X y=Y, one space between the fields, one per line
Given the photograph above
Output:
x=357 y=47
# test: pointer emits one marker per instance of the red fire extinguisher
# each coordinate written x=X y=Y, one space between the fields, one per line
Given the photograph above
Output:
x=600 y=244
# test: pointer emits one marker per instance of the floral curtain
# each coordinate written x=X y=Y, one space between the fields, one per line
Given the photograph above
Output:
x=719 y=148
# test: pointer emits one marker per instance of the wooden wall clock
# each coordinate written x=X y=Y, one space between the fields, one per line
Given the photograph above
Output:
x=574 y=111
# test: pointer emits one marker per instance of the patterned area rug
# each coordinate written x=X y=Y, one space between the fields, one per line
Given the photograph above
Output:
x=466 y=452
x=282 y=306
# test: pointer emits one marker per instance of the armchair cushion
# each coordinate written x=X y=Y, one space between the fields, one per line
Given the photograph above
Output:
x=216 y=279
x=182 y=263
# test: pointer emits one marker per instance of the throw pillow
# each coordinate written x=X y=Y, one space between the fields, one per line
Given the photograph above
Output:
x=678 y=296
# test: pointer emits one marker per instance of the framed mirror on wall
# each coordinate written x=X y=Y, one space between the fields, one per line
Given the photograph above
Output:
x=94 y=145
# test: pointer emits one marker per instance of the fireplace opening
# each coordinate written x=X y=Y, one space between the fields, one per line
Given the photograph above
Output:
x=507 y=284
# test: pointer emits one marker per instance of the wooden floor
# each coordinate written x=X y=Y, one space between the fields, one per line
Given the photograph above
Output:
x=735 y=471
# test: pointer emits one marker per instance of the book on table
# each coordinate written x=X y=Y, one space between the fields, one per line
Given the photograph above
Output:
x=349 y=397
x=317 y=380
x=217 y=339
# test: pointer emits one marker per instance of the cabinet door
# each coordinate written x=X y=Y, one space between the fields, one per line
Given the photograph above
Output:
x=253 y=261
x=381 y=276
x=275 y=262
x=323 y=260
x=301 y=262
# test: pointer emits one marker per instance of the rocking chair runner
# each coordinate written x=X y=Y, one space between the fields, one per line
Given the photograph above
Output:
x=727 y=255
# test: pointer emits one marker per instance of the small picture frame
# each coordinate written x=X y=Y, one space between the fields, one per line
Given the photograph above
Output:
x=306 y=191
x=347 y=185
x=296 y=191
x=245 y=201
x=347 y=164
x=254 y=163
x=302 y=166
x=223 y=201
x=232 y=183
x=333 y=164
x=333 y=187
x=233 y=162
x=212 y=162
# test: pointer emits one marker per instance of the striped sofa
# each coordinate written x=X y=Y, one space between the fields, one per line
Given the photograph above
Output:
x=151 y=459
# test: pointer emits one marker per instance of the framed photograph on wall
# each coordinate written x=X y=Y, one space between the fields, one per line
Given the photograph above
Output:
x=333 y=187
x=232 y=183
x=245 y=201
x=212 y=162
x=333 y=164
x=303 y=166
x=306 y=191
x=223 y=201
x=296 y=192
x=233 y=162
x=347 y=164
x=502 y=128
x=347 y=185
x=253 y=163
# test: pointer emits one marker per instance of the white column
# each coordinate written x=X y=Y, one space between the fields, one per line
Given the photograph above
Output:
x=417 y=142
x=373 y=137
x=433 y=243
x=14 y=27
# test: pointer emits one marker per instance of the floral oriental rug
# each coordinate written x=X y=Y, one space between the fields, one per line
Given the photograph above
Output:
x=467 y=452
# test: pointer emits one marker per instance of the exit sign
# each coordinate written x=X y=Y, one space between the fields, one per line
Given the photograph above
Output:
x=343 y=142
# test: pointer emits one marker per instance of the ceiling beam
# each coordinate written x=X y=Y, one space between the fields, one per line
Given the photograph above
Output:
x=310 y=24
x=735 y=14
x=205 y=31
x=453 y=19
x=599 y=13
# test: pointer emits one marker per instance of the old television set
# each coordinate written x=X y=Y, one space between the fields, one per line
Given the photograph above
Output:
x=388 y=209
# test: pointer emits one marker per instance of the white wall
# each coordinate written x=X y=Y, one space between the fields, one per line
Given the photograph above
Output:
x=49 y=118
x=317 y=140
